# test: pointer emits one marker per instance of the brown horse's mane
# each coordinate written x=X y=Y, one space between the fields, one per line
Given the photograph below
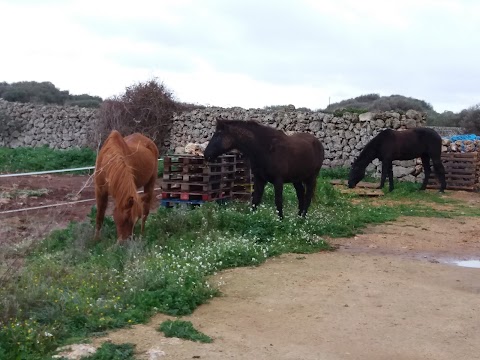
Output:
x=119 y=173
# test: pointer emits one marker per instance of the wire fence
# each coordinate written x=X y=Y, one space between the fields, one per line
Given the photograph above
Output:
x=32 y=173
x=51 y=171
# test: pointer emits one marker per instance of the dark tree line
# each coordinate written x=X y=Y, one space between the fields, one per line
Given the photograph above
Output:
x=45 y=93
x=149 y=103
x=467 y=118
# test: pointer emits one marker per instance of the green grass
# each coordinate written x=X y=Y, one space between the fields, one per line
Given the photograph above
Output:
x=335 y=173
x=72 y=288
x=44 y=158
x=183 y=330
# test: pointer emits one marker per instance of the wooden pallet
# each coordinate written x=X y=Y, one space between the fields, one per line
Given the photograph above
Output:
x=203 y=196
x=198 y=178
x=198 y=160
x=201 y=187
x=243 y=185
x=462 y=172
x=196 y=165
x=212 y=169
x=189 y=178
x=170 y=203
x=363 y=188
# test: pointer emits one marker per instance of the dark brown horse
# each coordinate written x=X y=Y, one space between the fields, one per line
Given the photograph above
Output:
x=274 y=156
x=122 y=166
x=391 y=145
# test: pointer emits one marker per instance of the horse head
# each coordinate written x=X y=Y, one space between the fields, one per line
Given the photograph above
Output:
x=357 y=173
x=223 y=140
x=126 y=216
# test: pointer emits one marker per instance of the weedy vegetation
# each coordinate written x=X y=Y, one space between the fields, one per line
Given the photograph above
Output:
x=183 y=330
x=70 y=287
x=109 y=351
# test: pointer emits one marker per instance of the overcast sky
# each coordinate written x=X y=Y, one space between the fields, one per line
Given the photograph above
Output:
x=249 y=53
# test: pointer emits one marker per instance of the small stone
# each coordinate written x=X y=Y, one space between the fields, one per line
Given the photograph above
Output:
x=154 y=354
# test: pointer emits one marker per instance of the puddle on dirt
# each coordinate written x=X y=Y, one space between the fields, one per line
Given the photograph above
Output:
x=467 y=263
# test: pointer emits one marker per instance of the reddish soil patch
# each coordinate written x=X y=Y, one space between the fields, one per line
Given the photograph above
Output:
x=62 y=189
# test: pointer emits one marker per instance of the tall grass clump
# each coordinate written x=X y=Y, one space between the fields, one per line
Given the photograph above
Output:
x=110 y=351
x=183 y=330
x=72 y=287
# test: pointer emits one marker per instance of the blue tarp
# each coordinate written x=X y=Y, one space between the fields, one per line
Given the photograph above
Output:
x=464 y=137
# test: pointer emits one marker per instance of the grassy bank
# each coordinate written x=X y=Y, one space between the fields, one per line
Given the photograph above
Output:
x=71 y=288
x=43 y=158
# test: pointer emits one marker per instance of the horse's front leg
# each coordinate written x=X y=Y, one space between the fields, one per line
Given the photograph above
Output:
x=390 y=176
x=258 y=189
x=311 y=184
x=300 y=190
x=101 y=196
x=278 y=187
x=383 y=177
x=440 y=171
x=426 y=171
x=147 y=197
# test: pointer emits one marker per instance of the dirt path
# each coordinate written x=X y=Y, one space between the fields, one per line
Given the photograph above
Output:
x=390 y=293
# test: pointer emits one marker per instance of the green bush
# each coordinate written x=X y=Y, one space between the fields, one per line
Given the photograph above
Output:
x=146 y=108
x=44 y=93
x=470 y=119
x=375 y=102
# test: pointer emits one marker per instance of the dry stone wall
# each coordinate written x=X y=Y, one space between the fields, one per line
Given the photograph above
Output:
x=343 y=136
x=33 y=125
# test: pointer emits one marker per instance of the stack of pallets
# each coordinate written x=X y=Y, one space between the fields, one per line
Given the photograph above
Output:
x=188 y=179
x=243 y=183
x=462 y=171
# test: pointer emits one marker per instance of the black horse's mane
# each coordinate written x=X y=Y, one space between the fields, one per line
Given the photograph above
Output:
x=262 y=132
x=370 y=151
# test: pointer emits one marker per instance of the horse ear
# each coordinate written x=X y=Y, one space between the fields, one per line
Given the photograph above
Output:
x=130 y=202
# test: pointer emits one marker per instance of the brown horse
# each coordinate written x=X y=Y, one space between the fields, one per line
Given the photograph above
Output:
x=274 y=156
x=391 y=145
x=122 y=166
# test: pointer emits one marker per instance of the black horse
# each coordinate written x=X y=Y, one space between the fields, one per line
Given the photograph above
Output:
x=391 y=145
x=274 y=157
